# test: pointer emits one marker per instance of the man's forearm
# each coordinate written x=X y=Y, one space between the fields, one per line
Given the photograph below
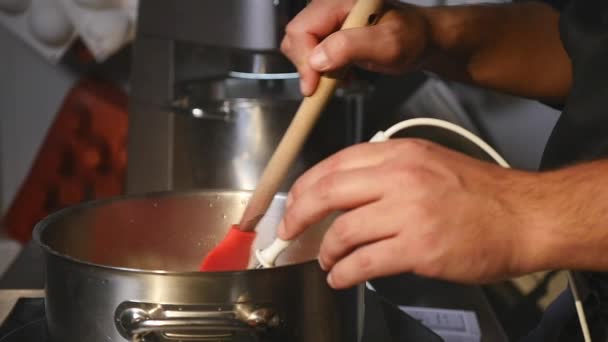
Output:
x=568 y=211
x=514 y=48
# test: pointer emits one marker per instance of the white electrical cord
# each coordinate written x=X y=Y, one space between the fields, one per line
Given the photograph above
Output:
x=383 y=136
x=579 y=307
x=268 y=256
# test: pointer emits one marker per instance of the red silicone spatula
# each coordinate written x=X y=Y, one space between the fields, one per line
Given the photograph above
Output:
x=233 y=252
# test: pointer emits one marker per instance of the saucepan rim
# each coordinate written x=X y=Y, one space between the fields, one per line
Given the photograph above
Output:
x=43 y=224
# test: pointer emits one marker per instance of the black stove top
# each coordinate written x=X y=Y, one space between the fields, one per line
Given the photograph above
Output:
x=26 y=322
x=383 y=322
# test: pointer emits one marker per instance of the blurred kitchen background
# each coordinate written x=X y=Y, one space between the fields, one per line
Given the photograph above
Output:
x=71 y=83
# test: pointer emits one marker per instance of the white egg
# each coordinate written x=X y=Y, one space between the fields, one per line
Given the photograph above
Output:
x=14 y=6
x=108 y=31
x=98 y=4
x=49 y=23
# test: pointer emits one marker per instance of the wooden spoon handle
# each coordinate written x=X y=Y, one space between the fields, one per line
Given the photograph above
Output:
x=300 y=127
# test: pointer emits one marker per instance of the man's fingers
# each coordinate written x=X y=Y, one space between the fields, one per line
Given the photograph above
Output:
x=375 y=45
x=354 y=157
x=305 y=31
x=298 y=53
x=335 y=192
x=319 y=18
x=361 y=226
x=371 y=261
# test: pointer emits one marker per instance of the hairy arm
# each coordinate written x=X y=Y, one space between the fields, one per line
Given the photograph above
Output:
x=515 y=48
x=570 y=229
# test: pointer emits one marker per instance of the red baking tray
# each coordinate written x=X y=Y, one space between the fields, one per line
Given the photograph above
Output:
x=82 y=157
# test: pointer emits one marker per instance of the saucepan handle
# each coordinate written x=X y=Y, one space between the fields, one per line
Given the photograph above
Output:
x=138 y=321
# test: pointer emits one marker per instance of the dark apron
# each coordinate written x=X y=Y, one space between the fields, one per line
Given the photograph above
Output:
x=581 y=134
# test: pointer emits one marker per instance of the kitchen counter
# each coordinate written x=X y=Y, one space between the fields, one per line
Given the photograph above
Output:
x=26 y=274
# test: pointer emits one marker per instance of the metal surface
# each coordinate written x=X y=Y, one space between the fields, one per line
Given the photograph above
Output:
x=151 y=134
x=147 y=250
x=8 y=298
x=259 y=65
x=228 y=130
x=248 y=33
x=221 y=132
x=256 y=25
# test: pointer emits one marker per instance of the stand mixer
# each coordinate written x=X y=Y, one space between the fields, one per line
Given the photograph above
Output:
x=212 y=95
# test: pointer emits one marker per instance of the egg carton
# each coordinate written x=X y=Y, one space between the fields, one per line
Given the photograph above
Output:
x=41 y=24
x=104 y=26
x=50 y=26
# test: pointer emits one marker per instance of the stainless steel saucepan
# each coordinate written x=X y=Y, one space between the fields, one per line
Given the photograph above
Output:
x=125 y=269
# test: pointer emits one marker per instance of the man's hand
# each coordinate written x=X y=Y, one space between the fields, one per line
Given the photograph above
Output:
x=514 y=48
x=414 y=206
x=393 y=45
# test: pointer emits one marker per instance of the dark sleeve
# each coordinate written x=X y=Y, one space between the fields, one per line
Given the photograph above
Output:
x=558 y=4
